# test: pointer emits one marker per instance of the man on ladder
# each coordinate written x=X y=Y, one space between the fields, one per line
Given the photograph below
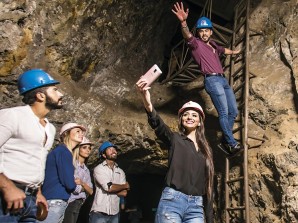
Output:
x=205 y=53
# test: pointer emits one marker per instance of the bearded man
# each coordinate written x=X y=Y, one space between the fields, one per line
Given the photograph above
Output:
x=25 y=139
x=205 y=53
x=110 y=182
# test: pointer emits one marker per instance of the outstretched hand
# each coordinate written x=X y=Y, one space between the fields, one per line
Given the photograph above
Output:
x=236 y=51
x=180 y=12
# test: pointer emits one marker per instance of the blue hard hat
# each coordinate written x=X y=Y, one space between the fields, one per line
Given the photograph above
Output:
x=204 y=23
x=104 y=146
x=33 y=79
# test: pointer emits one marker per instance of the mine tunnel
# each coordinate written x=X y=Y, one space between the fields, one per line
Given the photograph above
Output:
x=98 y=50
x=147 y=185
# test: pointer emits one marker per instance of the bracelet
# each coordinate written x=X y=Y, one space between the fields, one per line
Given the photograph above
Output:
x=184 y=27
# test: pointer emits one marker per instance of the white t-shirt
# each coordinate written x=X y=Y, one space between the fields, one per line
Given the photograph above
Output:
x=23 y=149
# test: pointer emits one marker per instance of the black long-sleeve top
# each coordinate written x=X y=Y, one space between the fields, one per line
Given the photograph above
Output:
x=186 y=166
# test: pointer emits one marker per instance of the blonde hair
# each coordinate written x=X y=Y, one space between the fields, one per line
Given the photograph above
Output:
x=65 y=138
x=75 y=155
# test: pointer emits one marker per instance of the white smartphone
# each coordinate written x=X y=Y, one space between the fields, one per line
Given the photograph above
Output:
x=151 y=75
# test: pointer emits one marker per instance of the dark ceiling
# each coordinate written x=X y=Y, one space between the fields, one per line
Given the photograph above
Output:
x=220 y=8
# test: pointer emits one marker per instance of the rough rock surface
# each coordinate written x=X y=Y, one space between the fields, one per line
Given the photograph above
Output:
x=98 y=50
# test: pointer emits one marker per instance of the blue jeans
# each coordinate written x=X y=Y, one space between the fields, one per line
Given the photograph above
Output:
x=178 y=207
x=72 y=211
x=224 y=101
x=98 y=217
x=56 y=211
x=27 y=214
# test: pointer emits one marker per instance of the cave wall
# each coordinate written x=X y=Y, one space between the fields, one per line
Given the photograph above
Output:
x=98 y=50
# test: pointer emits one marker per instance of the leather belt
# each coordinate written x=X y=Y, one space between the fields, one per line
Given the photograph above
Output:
x=214 y=74
x=27 y=190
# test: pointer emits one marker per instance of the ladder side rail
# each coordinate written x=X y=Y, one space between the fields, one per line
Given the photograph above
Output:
x=227 y=190
x=246 y=185
x=227 y=178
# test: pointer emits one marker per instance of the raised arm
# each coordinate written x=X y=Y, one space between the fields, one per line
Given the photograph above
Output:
x=162 y=131
x=182 y=15
x=145 y=94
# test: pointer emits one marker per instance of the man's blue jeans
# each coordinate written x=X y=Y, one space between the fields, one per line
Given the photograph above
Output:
x=27 y=214
x=178 y=207
x=224 y=101
x=97 y=217
x=56 y=211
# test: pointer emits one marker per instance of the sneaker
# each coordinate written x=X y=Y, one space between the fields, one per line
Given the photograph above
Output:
x=233 y=150
x=222 y=147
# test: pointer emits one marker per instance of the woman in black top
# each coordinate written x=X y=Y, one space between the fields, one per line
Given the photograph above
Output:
x=187 y=196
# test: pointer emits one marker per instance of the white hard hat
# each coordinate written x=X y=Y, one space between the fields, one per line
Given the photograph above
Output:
x=86 y=141
x=192 y=105
x=70 y=126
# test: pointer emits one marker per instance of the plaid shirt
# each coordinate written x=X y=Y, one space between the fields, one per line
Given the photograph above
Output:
x=82 y=172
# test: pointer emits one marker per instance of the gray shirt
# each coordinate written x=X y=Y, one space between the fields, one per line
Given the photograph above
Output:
x=103 y=200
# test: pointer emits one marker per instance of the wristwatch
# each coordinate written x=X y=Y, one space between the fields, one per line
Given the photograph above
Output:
x=109 y=184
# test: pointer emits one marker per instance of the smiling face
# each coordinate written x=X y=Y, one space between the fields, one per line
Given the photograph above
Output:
x=190 y=120
x=110 y=153
x=76 y=135
x=204 y=34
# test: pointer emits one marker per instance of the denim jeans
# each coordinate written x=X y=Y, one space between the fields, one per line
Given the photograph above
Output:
x=27 y=214
x=72 y=211
x=224 y=101
x=98 y=217
x=56 y=211
x=178 y=207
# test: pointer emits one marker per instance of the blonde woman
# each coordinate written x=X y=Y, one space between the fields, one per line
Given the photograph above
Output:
x=82 y=177
x=59 y=180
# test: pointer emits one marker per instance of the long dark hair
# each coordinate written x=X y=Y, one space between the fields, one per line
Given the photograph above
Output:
x=206 y=151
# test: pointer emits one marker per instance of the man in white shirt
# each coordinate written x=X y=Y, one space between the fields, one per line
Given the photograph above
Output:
x=25 y=139
x=110 y=185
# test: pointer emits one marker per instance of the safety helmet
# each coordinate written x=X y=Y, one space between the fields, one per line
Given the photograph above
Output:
x=104 y=146
x=33 y=79
x=191 y=105
x=86 y=141
x=204 y=23
x=70 y=126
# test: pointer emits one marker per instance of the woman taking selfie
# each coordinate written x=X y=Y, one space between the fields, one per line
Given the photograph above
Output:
x=59 y=180
x=187 y=196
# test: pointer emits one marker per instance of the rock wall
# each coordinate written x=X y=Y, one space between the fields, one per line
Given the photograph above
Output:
x=98 y=50
x=273 y=109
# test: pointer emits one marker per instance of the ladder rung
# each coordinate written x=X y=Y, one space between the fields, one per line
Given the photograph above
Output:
x=236 y=208
x=238 y=128
x=256 y=138
x=235 y=180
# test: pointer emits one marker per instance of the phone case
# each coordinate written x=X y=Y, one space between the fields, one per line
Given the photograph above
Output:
x=151 y=75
